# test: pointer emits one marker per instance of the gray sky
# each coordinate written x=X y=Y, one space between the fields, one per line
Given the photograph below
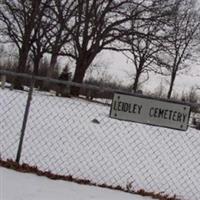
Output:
x=120 y=67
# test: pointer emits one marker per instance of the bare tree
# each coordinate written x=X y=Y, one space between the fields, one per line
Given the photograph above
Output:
x=97 y=27
x=184 y=25
x=19 y=19
x=145 y=38
x=38 y=49
x=62 y=15
x=43 y=37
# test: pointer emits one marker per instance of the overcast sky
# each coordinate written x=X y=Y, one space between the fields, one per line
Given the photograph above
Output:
x=120 y=67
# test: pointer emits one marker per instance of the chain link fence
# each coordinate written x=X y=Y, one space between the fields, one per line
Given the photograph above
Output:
x=74 y=136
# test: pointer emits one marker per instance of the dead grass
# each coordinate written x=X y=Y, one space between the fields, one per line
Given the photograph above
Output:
x=25 y=168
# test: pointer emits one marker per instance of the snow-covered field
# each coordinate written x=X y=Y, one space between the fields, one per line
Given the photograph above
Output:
x=21 y=186
x=70 y=136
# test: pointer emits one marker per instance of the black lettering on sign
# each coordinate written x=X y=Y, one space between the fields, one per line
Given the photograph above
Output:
x=179 y=117
x=139 y=109
x=184 y=117
x=174 y=117
x=120 y=106
x=161 y=113
x=167 y=114
x=151 y=111
x=170 y=114
x=127 y=107
x=115 y=105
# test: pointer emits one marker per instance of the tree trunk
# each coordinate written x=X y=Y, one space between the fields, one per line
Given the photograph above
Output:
x=171 y=85
x=36 y=69
x=23 y=55
x=36 y=65
x=50 y=71
x=24 y=51
x=135 y=85
x=22 y=60
x=78 y=78
x=54 y=56
x=82 y=65
x=53 y=62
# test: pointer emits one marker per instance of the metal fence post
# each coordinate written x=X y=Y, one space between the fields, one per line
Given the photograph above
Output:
x=3 y=81
x=25 y=119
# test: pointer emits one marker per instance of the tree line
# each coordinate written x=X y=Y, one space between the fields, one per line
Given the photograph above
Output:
x=155 y=35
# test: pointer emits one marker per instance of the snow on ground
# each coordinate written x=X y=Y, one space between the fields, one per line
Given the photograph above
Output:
x=22 y=186
x=62 y=137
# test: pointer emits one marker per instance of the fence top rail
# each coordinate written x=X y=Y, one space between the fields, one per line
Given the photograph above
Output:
x=91 y=87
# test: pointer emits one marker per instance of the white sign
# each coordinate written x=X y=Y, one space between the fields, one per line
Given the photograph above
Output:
x=150 y=111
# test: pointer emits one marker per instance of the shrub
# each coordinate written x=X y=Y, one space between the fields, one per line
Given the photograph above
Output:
x=192 y=98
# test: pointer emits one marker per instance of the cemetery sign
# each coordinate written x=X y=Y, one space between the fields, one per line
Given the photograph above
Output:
x=150 y=111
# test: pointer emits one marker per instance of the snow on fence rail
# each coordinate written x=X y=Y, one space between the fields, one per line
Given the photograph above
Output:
x=72 y=136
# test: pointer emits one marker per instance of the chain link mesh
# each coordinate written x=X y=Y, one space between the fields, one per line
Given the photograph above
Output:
x=12 y=107
x=72 y=136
